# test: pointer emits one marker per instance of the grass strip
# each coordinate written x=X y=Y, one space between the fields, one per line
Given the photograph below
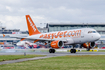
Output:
x=79 y=62
x=15 y=57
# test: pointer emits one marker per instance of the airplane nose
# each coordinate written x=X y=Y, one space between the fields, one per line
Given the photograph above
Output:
x=99 y=36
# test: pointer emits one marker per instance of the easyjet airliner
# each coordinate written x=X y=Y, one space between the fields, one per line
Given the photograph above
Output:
x=84 y=36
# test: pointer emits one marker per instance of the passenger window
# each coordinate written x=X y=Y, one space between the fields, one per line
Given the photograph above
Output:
x=90 y=32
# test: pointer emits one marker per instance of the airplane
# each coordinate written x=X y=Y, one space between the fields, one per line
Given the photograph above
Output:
x=84 y=36
x=26 y=44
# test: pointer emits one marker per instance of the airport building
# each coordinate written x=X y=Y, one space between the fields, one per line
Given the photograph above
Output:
x=10 y=32
x=43 y=29
x=67 y=26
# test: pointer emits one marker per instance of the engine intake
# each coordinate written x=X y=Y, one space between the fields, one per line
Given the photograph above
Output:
x=92 y=44
x=88 y=45
x=57 y=44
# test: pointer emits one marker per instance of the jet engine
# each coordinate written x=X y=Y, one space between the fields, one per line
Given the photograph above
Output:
x=57 y=44
x=88 y=45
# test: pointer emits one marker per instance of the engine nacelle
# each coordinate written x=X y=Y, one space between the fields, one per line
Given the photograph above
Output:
x=57 y=44
x=88 y=45
x=92 y=44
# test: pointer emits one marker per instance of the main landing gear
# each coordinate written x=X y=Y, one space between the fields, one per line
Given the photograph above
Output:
x=51 y=50
x=73 y=50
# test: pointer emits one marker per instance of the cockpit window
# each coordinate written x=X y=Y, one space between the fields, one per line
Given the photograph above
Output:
x=91 y=31
x=94 y=31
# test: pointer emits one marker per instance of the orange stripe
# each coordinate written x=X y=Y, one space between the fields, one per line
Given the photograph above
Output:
x=36 y=41
x=22 y=39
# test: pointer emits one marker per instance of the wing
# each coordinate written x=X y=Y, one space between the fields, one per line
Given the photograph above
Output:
x=33 y=39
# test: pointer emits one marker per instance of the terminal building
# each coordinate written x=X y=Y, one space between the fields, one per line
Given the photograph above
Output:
x=67 y=26
x=7 y=32
x=43 y=29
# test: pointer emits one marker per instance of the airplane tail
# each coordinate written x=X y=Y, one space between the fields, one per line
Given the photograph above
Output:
x=31 y=26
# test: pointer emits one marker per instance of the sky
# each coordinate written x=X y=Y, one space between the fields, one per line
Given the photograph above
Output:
x=12 y=12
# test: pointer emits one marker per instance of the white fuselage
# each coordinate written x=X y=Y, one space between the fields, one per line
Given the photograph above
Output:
x=75 y=36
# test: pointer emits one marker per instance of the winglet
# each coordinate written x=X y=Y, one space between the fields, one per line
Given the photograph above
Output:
x=3 y=35
x=31 y=26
